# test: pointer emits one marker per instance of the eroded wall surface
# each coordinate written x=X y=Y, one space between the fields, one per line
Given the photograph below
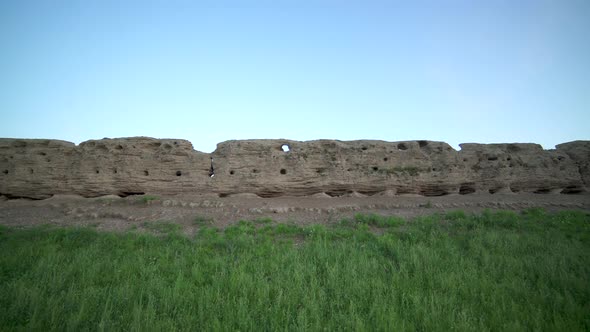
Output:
x=124 y=166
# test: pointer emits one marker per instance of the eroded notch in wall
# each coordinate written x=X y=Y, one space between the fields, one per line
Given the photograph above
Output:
x=211 y=169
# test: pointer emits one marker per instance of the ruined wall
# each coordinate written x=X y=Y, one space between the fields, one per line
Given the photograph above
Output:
x=42 y=168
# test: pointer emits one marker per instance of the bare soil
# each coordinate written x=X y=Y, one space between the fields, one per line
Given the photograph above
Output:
x=112 y=213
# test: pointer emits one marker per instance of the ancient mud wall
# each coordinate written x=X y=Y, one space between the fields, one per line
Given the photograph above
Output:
x=41 y=168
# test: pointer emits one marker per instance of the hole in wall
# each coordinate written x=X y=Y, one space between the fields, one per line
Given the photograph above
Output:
x=375 y=168
x=283 y=171
x=97 y=171
x=115 y=171
x=338 y=192
x=542 y=191
x=466 y=188
x=364 y=148
x=178 y=173
x=402 y=146
x=492 y=158
x=285 y=148
x=232 y=172
x=560 y=158
x=254 y=171
x=494 y=190
x=385 y=159
x=5 y=171
x=146 y=172
x=31 y=171
x=130 y=193
x=119 y=147
x=433 y=192
x=422 y=143
x=572 y=190
x=42 y=153
x=211 y=169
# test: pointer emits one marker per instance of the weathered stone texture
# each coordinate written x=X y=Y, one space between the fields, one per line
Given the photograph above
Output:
x=41 y=168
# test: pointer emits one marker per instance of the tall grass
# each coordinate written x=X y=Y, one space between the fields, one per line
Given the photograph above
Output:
x=492 y=271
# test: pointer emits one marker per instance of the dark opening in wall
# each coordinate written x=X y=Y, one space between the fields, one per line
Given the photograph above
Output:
x=146 y=172
x=283 y=171
x=232 y=172
x=422 y=143
x=369 y=192
x=211 y=169
x=385 y=159
x=402 y=146
x=375 y=168
x=466 y=188
x=285 y=148
x=5 y=171
x=432 y=192
x=130 y=193
x=492 y=158
x=542 y=191
x=119 y=147
x=254 y=171
x=115 y=171
x=42 y=153
x=178 y=173
x=560 y=158
x=364 y=148
x=338 y=192
x=97 y=171
x=572 y=190
x=31 y=171
x=494 y=190
x=270 y=194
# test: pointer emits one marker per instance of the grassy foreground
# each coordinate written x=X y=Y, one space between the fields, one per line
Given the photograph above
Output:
x=493 y=271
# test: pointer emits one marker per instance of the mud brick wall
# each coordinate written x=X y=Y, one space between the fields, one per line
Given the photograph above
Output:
x=41 y=168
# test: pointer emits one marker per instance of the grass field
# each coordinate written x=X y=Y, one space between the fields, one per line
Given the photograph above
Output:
x=491 y=271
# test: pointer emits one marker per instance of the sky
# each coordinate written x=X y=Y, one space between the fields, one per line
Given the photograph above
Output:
x=209 y=71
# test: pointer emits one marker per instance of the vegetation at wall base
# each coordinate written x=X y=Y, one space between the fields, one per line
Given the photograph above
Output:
x=456 y=271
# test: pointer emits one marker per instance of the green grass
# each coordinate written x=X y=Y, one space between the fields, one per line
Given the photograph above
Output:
x=202 y=221
x=148 y=198
x=162 y=227
x=454 y=271
x=399 y=170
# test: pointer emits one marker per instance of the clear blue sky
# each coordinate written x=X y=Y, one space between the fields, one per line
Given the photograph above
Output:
x=455 y=71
